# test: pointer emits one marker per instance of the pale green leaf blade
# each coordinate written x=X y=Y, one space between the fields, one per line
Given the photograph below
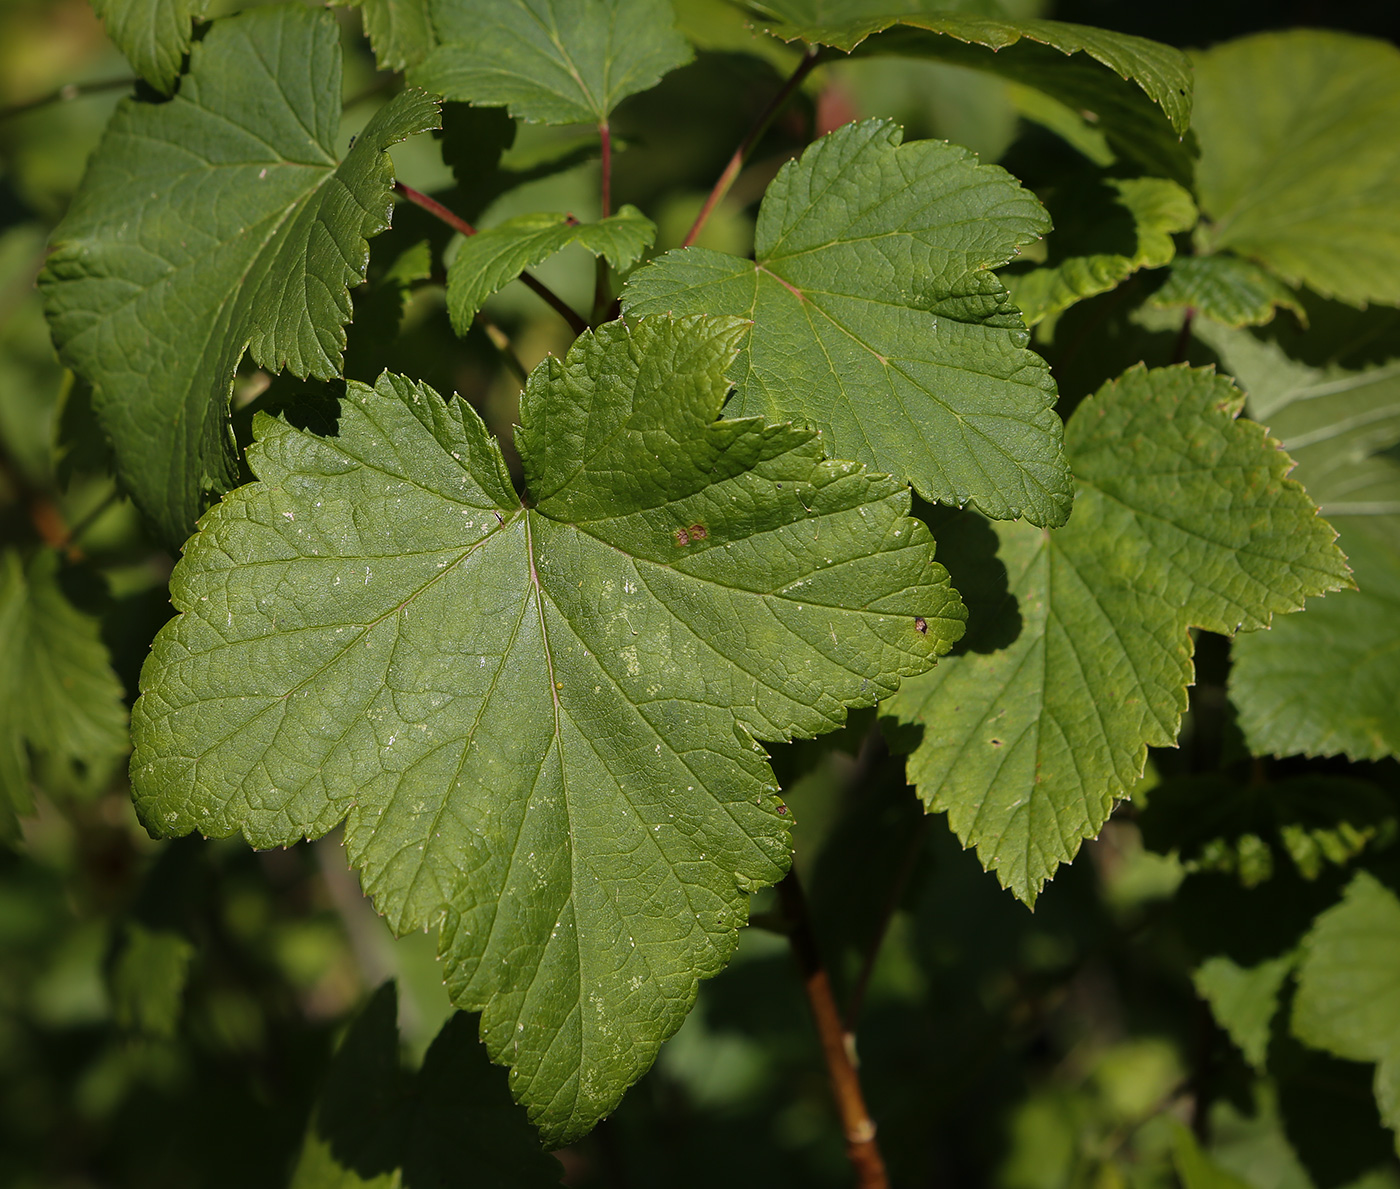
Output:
x=1105 y=230
x=147 y=980
x=215 y=222
x=58 y=694
x=1183 y=518
x=1348 y=999
x=539 y=721
x=153 y=34
x=550 y=61
x=488 y=261
x=876 y=318
x=1327 y=683
x=1195 y=1167
x=399 y=31
x=1232 y=291
x=1244 y=999
x=449 y=1122
x=1300 y=158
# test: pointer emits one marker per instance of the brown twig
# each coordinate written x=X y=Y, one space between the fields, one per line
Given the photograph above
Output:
x=66 y=94
x=750 y=142
x=459 y=224
x=861 y=1147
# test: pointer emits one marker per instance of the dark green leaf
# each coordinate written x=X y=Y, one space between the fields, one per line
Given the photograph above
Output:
x=877 y=319
x=218 y=222
x=1183 y=518
x=153 y=34
x=398 y=30
x=540 y=720
x=550 y=61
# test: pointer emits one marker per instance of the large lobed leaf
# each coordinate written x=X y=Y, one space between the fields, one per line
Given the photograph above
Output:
x=218 y=222
x=1300 y=158
x=539 y=721
x=1327 y=683
x=1348 y=999
x=1183 y=518
x=58 y=695
x=876 y=317
x=550 y=61
x=153 y=34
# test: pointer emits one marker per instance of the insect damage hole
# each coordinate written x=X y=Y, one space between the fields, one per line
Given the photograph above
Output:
x=921 y=625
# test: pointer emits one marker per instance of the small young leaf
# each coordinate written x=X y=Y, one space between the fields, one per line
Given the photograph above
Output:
x=1105 y=230
x=1244 y=1000
x=539 y=720
x=1183 y=518
x=1232 y=291
x=1300 y=158
x=550 y=61
x=450 y=1122
x=147 y=982
x=491 y=259
x=216 y=222
x=876 y=318
x=1347 y=982
x=153 y=34
x=399 y=31
x=58 y=694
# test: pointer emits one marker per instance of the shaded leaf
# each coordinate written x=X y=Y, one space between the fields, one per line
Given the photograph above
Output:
x=1195 y=1168
x=1137 y=91
x=450 y=1122
x=58 y=695
x=1105 y=230
x=1244 y=1000
x=1300 y=158
x=550 y=61
x=1327 y=683
x=218 y=222
x=1348 y=999
x=491 y=259
x=877 y=319
x=539 y=720
x=399 y=31
x=1183 y=518
x=1232 y=291
x=153 y=34
x=147 y=982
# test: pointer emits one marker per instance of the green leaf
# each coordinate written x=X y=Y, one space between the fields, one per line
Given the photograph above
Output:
x=491 y=259
x=153 y=34
x=877 y=319
x=540 y=721
x=1144 y=111
x=1195 y=1168
x=147 y=982
x=1183 y=518
x=1105 y=230
x=1327 y=683
x=1348 y=999
x=58 y=695
x=450 y=1122
x=550 y=61
x=1244 y=999
x=218 y=222
x=1231 y=291
x=399 y=31
x=1300 y=158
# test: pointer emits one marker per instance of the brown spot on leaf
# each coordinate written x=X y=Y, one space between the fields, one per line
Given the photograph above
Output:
x=698 y=532
x=682 y=538
x=921 y=625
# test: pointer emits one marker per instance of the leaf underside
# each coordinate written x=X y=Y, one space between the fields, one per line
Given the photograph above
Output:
x=539 y=722
x=217 y=222
x=877 y=319
x=1183 y=518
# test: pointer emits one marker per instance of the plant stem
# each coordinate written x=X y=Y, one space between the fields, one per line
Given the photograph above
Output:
x=459 y=224
x=501 y=342
x=750 y=142
x=861 y=1148
x=1183 y=340
x=66 y=94
x=605 y=139
x=600 y=271
x=93 y=516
